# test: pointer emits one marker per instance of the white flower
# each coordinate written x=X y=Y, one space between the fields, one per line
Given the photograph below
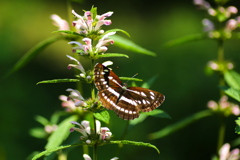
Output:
x=225 y=154
x=225 y=106
x=86 y=157
x=87 y=24
x=78 y=66
x=84 y=128
x=104 y=132
x=59 y=22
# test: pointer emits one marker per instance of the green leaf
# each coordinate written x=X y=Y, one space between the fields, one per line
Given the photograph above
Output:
x=135 y=144
x=131 y=46
x=138 y=120
x=31 y=54
x=62 y=132
x=94 y=12
x=237 y=129
x=116 y=30
x=102 y=116
x=179 y=125
x=130 y=79
x=233 y=79
x=58 y=81
x=112 y=55
x=38 y=132
x=234 y=93
x=186 y=39
x=157 y=113
x=68 y=32
x=42 y=120
x=48 y=151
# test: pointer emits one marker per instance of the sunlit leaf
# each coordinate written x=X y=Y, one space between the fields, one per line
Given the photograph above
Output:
x=48 y=151
x=42 y=120
x=58 y=81
x=130 y=45
x=130 y=79
x=237 y=129
x=62 y=132
x=233 y=79
x=102 y=116
x=38 y=132
x=112 y=55
x=68 y=32
x=126 y=142
x=116 y=30
x=234 y=93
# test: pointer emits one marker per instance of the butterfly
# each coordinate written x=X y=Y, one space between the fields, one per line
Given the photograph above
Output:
x=125 y=101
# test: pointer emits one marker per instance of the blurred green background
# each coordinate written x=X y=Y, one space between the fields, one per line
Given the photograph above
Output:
x=180 y=72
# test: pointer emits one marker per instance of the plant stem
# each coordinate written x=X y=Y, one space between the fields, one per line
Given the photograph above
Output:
x=221 y=133
x=221 y=83
x=96 y=143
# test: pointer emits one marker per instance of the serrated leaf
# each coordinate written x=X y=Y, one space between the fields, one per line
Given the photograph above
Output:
x=102 y=116
x=58 y=81
x=185 y=39
x=31 y=54
x=112 y=55
x=48 y=151
x=130 y=79
x=234 y=93
x=62 y=132
x=135 y=144
x=130 y=45
x=233 y=79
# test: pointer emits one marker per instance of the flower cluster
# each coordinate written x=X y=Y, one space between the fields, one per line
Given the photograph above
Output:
x=219 y=14
x=226 y=154
x=226 y=107
x=88 y=23
x=91 y=51
x=88 y=26
x=217 y=66
x=103 y=133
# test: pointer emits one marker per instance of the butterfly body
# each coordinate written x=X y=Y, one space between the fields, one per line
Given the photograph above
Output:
x=126 y=102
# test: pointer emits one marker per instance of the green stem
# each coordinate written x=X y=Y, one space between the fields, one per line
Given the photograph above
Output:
x=96 y=143
x=221 y=133
x=221 y=83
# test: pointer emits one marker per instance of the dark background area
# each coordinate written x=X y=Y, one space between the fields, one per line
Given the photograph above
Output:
x=180 y=72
